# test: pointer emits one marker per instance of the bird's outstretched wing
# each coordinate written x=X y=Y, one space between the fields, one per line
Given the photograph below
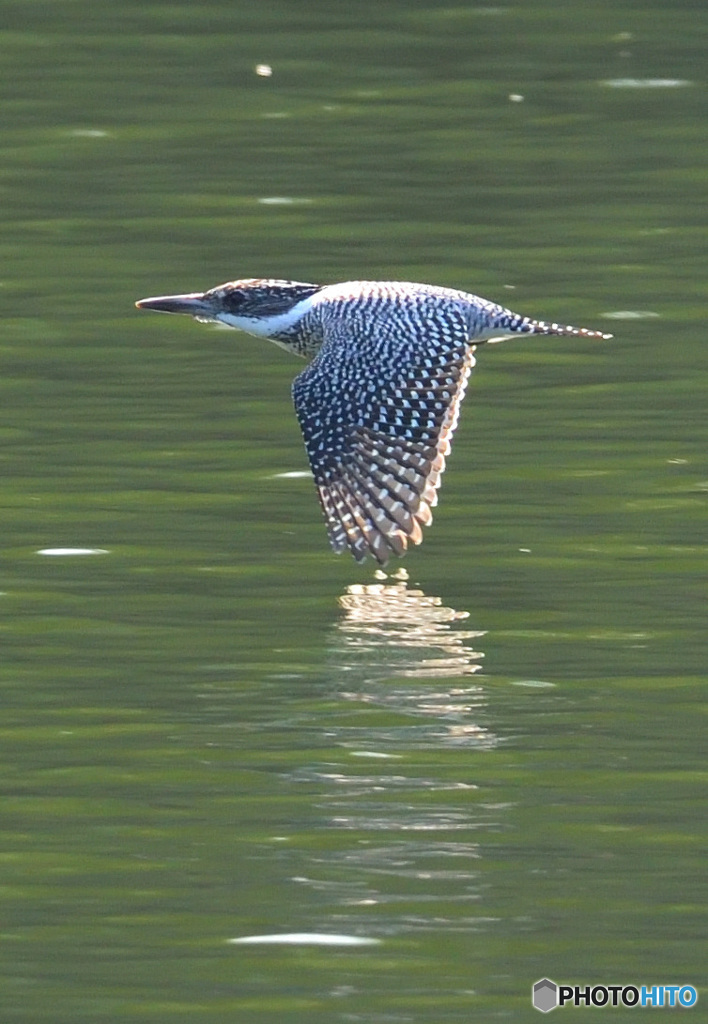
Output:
x=377 y=412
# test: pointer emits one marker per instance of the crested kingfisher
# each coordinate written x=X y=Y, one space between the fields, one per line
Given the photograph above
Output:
x=379 y=401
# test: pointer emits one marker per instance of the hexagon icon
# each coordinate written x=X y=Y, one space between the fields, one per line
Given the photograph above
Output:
x=544 y=995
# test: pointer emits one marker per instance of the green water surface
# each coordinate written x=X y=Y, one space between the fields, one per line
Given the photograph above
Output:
x=211 y=727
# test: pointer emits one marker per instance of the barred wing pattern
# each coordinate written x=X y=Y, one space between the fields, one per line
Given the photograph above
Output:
x=377 y=415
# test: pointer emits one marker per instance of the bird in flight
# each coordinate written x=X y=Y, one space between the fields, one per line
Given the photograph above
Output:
x=379 y=400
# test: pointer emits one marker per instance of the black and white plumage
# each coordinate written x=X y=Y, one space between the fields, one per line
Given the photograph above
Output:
x=379 y=401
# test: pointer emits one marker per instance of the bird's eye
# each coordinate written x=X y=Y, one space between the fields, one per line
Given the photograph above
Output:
x=233 y=300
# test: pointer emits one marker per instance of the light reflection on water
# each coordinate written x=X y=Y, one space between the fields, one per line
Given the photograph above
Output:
x=402 y=661
x=390 y=632
x=398 y=626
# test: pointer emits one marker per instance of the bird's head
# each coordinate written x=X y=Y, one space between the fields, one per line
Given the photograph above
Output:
x=262 y=306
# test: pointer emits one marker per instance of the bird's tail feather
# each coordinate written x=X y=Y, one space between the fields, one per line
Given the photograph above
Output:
x=508 y=324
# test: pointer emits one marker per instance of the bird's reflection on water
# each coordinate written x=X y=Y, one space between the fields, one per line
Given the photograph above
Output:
x=391 y=641
x=403 y=815
x=405 y=632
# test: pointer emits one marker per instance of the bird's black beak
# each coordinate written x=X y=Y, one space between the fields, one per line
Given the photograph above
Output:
x=193 y=304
